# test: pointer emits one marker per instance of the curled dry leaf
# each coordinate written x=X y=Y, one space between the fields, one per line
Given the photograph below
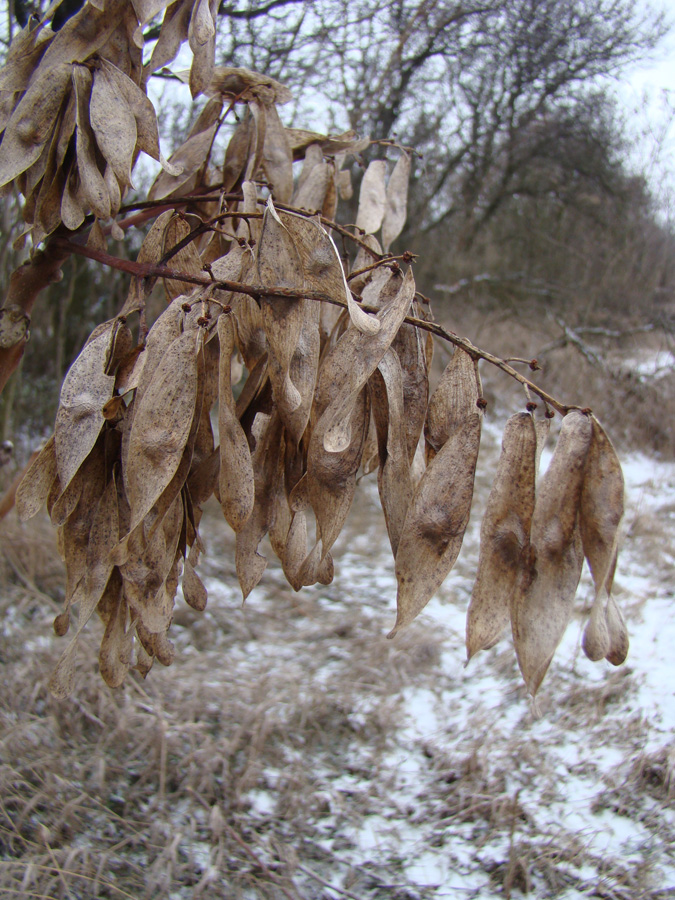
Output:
x=543 y=603
x=504 y=536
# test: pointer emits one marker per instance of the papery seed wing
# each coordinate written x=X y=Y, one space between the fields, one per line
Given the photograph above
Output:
x=409 y=347
x=92 y=184
x=543 y=603
x=279 y=265
x=102 y=535
x=161 y=426
x=33 y=121
x=504 y=535
x=201 y=37
x=313 y=158
x=250 y=564
x=355 y=357
x=618 y=634
x=331 y=482
x=312 y=193
x=85 y=390
x=114 y=658
x=194 y=591
x=394 y=482
x=277 y=157
x=31 y=494
x=151 y=251
x=543 y=428
x=372 y=197
x=437 y=516
x=185 y=260
x=397 y=201
x=114 y=126
x=187 y=159
x=602 y=503
x=457 y=388
x=147 y=135
x=322 y=267
x=237 y=153
x=236 y=482
x=173 y=33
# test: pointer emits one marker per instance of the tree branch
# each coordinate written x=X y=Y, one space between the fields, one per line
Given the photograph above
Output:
x=25 y=284
x=147 y=270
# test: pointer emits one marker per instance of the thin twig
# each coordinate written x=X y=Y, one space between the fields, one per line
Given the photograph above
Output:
x=147 y=270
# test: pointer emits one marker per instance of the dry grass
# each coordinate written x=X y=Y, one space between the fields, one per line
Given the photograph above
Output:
x=255 y=766
x=638 y=412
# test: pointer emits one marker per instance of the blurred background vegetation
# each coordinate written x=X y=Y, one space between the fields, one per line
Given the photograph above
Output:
x=525 y=206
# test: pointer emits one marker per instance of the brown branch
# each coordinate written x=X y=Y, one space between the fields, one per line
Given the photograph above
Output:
x=7 y=501
x=25 y=284
x=147 y=270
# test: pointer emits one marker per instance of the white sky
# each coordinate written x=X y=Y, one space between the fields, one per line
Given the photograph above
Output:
x=647 y=93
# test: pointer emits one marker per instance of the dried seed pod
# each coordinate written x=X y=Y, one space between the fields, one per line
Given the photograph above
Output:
x=504 y=535
x=602 y=501
x=618 y=634
x=544 y=600
x=439 y=511
x=114 y=125
x=393 y=481
x=596 y=640
x=97 y=571
x=32 y=122
x=186 y=260
x=92 y=184
x=409 y=346
x=449 y=401
x=372 y=197
x=236 y=485
x=193 y=589
x=279 y=265
x=322 y=267
x=161 y=427
x=397 y=201
x=351 y=363
x=331 y=482
x=277 y=157
x=85 y=390
x=114 y=658
x=312 y=193
x=32 y=492
x=267 y=433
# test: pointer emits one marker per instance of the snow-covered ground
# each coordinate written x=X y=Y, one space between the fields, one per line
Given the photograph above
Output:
x=291 y=750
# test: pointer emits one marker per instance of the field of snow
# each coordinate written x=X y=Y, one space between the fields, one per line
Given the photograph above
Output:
x=292 y=751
